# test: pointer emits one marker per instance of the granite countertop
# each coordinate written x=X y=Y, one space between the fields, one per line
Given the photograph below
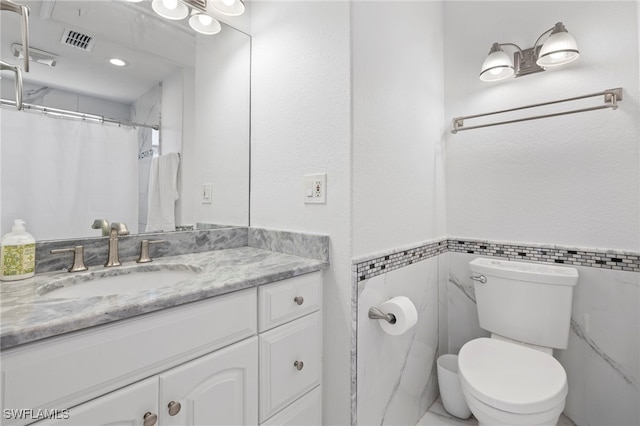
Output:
x=28 y=313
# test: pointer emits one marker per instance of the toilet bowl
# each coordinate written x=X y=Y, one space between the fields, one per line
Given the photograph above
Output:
x=508 y=384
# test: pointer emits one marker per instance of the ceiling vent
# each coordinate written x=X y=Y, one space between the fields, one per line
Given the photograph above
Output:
x=78 y=40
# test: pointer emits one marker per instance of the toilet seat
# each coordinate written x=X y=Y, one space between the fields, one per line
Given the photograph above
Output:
x=510 y=377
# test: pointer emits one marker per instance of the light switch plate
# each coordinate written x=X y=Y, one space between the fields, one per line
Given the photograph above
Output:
x=205 y=193
x=315 y=188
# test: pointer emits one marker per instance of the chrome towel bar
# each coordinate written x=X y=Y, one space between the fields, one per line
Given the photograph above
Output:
x=611 y=99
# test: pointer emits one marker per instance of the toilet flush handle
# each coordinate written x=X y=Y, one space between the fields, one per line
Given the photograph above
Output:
x=480 y=278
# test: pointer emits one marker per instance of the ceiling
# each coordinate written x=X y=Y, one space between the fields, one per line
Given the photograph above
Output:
x=153 y=47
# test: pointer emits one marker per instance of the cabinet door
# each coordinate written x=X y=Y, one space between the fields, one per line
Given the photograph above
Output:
x=216 y=389
x=124 y=407
x=290 y=363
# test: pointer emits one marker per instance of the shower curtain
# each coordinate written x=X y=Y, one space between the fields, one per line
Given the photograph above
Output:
x=59 y=175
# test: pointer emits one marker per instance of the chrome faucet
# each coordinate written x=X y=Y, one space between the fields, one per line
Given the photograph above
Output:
x=102 y=224
x=117 y=229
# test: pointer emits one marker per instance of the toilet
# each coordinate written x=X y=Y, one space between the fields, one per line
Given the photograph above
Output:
x=512 y=378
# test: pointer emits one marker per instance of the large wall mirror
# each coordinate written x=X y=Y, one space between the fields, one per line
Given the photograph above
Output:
x=61 y=174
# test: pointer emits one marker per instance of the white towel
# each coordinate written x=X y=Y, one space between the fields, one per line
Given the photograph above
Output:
x=163 y=193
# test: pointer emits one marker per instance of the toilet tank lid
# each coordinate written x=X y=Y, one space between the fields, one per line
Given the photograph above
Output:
x=537 y=272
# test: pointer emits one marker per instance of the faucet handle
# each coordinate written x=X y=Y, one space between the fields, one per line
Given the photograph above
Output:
x=144 y=250
x=78 y=257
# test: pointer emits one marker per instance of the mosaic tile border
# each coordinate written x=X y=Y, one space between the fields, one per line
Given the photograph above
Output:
x=397 y=259
x=615 y=260
x=365 y=268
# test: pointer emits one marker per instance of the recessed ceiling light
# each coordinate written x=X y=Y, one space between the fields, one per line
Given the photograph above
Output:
x=118 y=62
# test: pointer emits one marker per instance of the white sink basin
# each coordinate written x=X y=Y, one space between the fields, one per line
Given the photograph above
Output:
x=117 y=281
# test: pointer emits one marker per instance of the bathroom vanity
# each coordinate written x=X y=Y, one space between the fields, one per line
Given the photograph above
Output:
x=239 y=343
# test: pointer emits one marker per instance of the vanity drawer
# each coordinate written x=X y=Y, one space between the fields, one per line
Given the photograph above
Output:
x=64 y=371
x=306 y=411
x=289 y=299
x=290 y=363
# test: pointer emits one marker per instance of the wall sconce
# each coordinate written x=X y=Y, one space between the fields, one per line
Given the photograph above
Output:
x=559 y=49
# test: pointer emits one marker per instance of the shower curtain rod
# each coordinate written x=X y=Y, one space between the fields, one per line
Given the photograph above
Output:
x=63 y=113
x=611 y=98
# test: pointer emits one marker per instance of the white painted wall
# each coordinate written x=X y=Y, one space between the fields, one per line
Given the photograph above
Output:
x=398 y=121
x=186 y=174
x=300 y=103
x=172 y=113
x=571 y=180
x=218 y=151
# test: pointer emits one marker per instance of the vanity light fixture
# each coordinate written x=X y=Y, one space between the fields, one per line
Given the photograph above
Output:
x=170 y=9
x=229 y=7
x=199 y=20
x=204 y=24
x=560 y=48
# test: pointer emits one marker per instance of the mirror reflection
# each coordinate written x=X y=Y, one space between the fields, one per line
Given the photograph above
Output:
x=162 y=140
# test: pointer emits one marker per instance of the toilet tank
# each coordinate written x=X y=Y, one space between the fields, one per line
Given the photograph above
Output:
x=527 y=302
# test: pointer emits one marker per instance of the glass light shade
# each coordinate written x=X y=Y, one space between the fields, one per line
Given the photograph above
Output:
x=497 y=66
x=204 y=24
x=180 y=11
x=559 y=49
x=229 y=7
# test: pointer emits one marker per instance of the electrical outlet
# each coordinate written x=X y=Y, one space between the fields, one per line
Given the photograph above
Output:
x=315 y=188
x=205 y=193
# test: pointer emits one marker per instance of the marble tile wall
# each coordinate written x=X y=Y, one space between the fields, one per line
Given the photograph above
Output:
x=604 y=345
x=394 y=380
x=602 y=358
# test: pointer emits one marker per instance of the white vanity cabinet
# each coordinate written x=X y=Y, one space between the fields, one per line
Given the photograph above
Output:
x=127 y=406
x=227 y=360
x=290 y=328
x=217 y=389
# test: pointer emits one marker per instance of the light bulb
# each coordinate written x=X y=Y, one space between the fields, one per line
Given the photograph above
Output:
x=170 y=4
x=205 y=19
x=496 y=71
x=228 y=2
x=558 y=55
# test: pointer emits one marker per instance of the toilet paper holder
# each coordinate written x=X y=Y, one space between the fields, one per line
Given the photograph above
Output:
x=375 y=313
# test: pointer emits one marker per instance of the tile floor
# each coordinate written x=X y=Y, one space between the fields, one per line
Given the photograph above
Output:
x=437 y=416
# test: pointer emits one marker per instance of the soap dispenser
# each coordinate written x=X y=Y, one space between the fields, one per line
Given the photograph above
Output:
x=18 y=254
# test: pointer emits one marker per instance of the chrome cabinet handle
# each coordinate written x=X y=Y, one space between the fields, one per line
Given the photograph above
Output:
x=299 y=365
x=481 y=278
x=299 y=300
x=149 y=419
x=174 y=408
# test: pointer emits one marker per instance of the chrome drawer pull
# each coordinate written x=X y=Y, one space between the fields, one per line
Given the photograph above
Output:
x=299 y=300
x=149 y=418
x=174 y=408
x=299 y=365
x=481 y=278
